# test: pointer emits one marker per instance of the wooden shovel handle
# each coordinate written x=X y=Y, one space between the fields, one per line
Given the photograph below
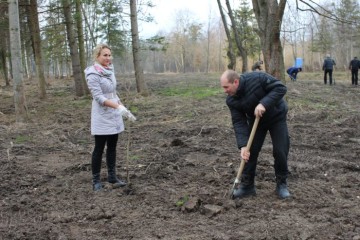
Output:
x=248 y=146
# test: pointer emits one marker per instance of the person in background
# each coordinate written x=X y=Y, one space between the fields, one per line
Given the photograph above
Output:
x=328 y=67
x=293 y=71
x=257 y=66
x=106 y=114
x=251 y=95
x=354 y=67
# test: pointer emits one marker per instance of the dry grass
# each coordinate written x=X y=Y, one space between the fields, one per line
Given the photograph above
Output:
x=340 y=76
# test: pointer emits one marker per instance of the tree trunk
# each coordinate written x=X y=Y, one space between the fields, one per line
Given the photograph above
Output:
x=208 y=47
x=90 y=31
x=269 y=16
x=17 y=68
x=75 y=59
x=32 y=13
x=81 y=41
x=4 y=66
x=230 y=51
x=239 y=45
x=139 y=75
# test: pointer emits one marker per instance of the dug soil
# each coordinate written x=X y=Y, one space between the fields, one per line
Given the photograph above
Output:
x=180 y=159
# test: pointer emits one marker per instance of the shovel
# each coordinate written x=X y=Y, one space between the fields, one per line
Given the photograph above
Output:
x=242 y=164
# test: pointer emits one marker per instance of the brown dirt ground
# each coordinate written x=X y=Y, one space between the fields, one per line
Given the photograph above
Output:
x=181 y=148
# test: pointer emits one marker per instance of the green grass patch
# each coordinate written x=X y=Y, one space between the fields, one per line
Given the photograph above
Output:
x=134 y=109
x=51 y=108
x=182 y=201
x=83 y=141
x=190 y=91
x=312 y=104
x=62 y=93
x=134 y=157
x=20 y=139
x=81 y=103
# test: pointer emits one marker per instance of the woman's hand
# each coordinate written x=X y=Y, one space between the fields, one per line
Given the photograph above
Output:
x=126 y=113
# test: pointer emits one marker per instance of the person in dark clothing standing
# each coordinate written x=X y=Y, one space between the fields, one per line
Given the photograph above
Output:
x=354 y=67
x=328 y=67
x=251 y=95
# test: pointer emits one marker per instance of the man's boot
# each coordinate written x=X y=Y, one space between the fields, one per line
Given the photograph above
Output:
x=246 y=188
x=281 y=187
x=97 y=186
x=112 y=178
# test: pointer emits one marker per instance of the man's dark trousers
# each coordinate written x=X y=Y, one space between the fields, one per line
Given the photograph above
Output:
x=281 y=143
x=330 y=71
x=354 y=77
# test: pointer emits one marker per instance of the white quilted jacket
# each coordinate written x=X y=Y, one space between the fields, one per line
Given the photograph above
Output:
x=104 y=120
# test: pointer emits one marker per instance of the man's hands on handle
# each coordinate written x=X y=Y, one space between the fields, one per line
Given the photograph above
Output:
x=259 y=110
x=126 y=113
x=244 y=151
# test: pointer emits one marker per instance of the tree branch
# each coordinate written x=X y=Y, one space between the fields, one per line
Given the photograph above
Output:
x=327 y=14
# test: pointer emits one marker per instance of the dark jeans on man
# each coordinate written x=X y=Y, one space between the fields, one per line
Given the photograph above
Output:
x=354 y=77
x=328 y=71
x=100 y=141
x=281 y=143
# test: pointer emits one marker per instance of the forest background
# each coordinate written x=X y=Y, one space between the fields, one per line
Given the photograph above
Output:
x=56 y=38
x=180 y=156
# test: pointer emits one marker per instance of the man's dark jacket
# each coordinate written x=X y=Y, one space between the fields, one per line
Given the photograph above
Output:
x=354 y=64
x=328 y=64
x=255 y=88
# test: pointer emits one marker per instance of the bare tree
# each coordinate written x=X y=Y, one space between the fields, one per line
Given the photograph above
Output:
x=238 y=41
x=230 y=52
x=17 y=68
x=269 y=16
x=81 y=41
x=32 y=13
x=75 y=58
x=139 y=75
x=314 y=7
x=4 y=45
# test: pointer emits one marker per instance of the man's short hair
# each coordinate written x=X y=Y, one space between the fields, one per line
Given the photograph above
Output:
x=231 y=75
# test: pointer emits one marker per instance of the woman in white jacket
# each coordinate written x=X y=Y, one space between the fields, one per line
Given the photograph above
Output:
x=106 y=114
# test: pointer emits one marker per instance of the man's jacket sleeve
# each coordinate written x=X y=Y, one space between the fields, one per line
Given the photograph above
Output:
x=241 y=127
x=275 y=91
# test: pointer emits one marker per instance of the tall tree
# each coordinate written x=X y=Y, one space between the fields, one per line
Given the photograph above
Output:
x=238 y=39
x=19 y=95
x=81 y=41
x=139 y=74
x=347 y=33
x=54 y=42
x=230 y=51
x=4 y=26
x=245 y=24
x=75 y=58
x=32 y=13
x=269 y=16
x=324 y=38
x=158 y=46
x=110 y=28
